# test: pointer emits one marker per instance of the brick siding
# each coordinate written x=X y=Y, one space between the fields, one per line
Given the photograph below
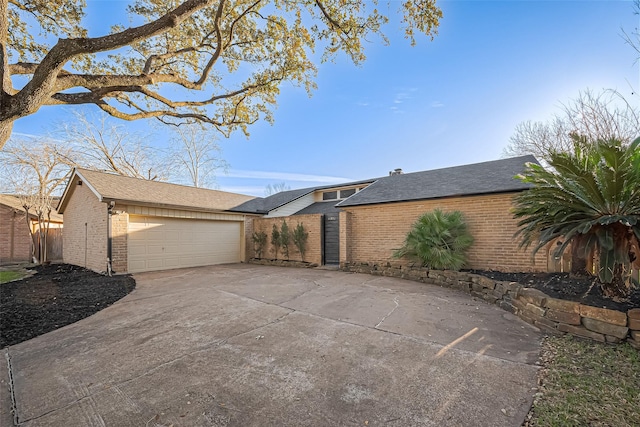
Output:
x=15 y=240
x=312 y=225
x=85 y=246
x=372 y=233
x=119 y=233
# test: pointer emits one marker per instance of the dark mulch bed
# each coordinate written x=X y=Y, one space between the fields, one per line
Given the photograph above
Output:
x=57 y=295
x=583 y=289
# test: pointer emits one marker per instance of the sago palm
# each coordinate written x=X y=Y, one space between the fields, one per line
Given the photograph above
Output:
x=589 y=197
x=437 y=240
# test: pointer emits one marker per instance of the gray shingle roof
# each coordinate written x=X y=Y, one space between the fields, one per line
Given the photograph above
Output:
x=496 y=176
x=153 y=193
x=262 y=205
x=15 y=203
x=319 y=208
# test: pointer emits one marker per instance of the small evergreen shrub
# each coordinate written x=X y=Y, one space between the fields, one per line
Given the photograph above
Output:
x=259 y=239
x=300 y=237
x=275 y=240
x=285 y=239
x=437 y=240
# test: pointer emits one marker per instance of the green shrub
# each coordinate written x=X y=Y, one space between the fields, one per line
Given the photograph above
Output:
x=275 y=240
x=300 y=237
x=437 y=240
x=259 y=242
x=285 y=239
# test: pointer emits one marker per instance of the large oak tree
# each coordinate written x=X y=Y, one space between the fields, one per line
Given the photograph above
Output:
x=219 y=62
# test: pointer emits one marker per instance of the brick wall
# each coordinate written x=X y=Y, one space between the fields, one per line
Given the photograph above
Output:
x=15 y=241
x=248 y=243
x=119 y=227
x=312 y=225
x=374 y=232
x=346 y=235
x=85 y=246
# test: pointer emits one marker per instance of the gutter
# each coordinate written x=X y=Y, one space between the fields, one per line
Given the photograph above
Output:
x=109 y=238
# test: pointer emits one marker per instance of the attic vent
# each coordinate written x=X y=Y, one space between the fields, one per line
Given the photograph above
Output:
x=79 y=182
x=397 y=171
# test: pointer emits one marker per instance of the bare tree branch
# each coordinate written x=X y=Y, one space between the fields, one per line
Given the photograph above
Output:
x=603 y=116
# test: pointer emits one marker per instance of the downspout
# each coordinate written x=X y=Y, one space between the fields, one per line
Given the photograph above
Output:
x=12 y=236
x=109 y=238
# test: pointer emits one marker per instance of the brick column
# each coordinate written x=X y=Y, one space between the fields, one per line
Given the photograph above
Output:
x=345 y=237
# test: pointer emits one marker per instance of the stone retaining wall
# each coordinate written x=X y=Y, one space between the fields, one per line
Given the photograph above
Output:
x=551 y=315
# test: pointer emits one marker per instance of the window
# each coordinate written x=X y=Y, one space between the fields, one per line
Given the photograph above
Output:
x=330 y=195
x=346 y=193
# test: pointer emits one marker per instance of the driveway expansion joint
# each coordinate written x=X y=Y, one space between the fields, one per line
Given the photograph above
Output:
x=395 y=300
x=14 y=408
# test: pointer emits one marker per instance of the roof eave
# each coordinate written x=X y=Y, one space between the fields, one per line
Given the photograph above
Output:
x=354 y=205
x=167 y=206
x=67 y=190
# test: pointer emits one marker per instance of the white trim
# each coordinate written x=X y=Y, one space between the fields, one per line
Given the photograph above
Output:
x=68 y=191
x=93 y=190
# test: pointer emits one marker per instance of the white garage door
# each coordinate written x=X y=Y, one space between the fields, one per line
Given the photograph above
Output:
x=156 y=243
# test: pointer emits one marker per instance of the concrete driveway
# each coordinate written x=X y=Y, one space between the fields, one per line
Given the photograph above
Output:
x=248 y=345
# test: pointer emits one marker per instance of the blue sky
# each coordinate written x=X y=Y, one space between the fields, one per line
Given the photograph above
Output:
x=446 y=102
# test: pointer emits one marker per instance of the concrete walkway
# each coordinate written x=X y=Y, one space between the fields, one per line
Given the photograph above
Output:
x=243 y=345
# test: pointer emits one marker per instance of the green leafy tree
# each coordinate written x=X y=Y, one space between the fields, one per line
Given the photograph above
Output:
x=275 y=240
x=285 y=238
x=235 y=53
x=259 y=239
x=438 y=240
x=589 y=197
x=300 y=237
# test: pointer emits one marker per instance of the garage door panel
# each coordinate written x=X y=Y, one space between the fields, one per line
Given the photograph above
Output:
x=163 y=243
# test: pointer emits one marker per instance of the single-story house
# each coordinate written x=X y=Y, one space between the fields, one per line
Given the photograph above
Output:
x=15 y=238
x=366 y=221
x=120 y=224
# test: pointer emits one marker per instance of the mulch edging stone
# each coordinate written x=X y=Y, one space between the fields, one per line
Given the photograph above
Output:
x=551 y=315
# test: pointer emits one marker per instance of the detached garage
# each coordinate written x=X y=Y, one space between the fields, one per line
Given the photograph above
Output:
x=127 y=225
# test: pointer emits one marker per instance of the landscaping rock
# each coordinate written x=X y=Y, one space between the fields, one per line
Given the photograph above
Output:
x=534 y=309
x=581 y=331
x=634 y=319
x=604 y=315
x=563 y=317
x=562 y=305
x=605 y=328
x=533 y=296
x=547 y=326
x=507 y=306
x=634 y=313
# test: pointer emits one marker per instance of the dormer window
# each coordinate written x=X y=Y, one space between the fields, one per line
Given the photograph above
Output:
x=330 y=195
x=339 y=194
x=347 y=193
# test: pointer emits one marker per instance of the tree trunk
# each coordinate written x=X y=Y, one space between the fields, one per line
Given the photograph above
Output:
x=6 y=127
x=579 y=265
x=618 y=289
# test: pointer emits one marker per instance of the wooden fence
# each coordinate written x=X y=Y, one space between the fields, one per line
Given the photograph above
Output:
x=54 y=244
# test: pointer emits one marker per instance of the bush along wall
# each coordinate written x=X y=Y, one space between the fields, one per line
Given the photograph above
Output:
x=550 y=315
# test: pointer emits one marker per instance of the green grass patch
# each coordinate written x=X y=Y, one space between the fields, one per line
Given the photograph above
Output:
x=7 y=276
x=587 y=383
